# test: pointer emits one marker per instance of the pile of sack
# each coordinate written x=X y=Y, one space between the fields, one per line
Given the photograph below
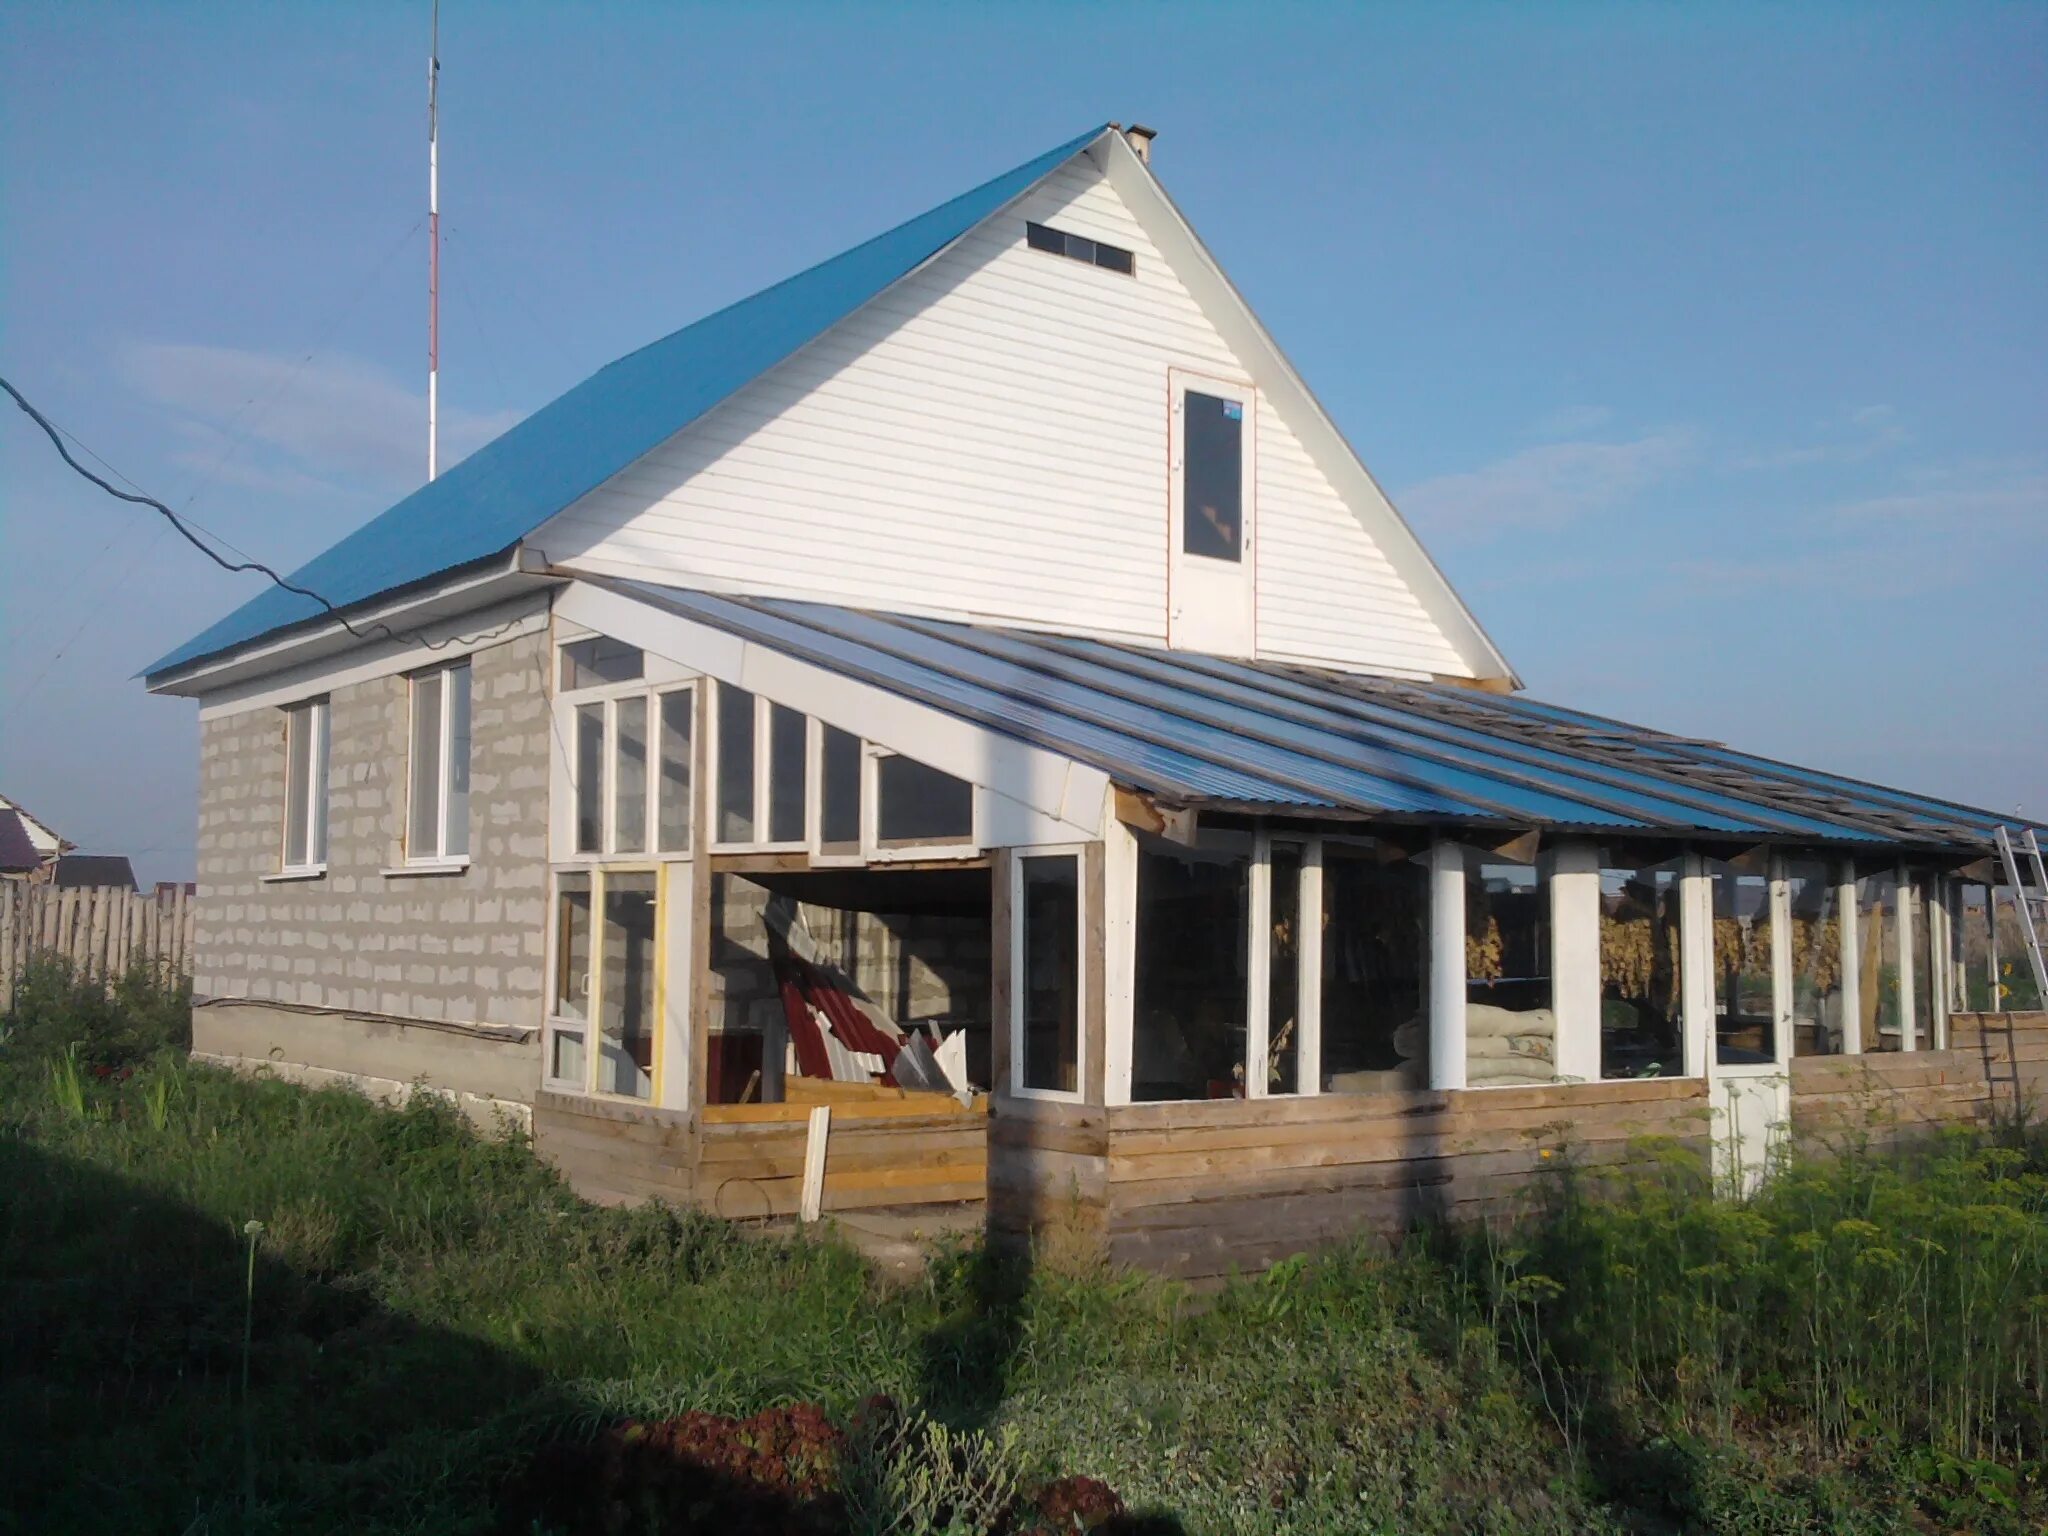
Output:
x=1502 y=1045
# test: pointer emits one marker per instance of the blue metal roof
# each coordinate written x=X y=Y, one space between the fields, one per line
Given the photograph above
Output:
x=508 y=488
x=1276 y=738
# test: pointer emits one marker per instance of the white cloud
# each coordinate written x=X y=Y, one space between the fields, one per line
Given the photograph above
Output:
x=1549 y=486
x=330 y=418
x=1965 y=498
x=1571 y=421
x=1853 y=437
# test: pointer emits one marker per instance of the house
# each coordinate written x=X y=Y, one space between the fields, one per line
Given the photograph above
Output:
x=80 y=871
x=963 y=724
x=29 y=849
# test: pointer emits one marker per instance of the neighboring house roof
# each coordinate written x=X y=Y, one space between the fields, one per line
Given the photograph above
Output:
x=1276 y=738
x=486 y=504
x=18 y=852
x=40 y=833
x=77 y=870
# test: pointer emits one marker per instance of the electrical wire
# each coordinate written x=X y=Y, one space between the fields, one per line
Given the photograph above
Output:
x=56 y=436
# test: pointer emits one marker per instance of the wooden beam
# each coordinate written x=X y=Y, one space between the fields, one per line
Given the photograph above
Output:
x=1175 y=823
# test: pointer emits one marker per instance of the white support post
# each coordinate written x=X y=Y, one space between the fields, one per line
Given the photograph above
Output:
x=1902 y=912
x=1447 y=973
x=1575 y=959
x=1259 y=970
x=1696 y=943
x=1940 y=892
x=1781 y=961
x=1849 y=960
x=1308 y=1070
x=1119 y=956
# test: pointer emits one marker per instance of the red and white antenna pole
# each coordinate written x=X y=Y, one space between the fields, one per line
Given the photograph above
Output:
x=434 y=249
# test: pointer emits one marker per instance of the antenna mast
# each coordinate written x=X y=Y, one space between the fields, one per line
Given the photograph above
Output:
x=434 y=248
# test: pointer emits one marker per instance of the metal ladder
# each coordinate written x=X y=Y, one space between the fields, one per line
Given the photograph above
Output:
x=2030 y=895
x=2032 y=904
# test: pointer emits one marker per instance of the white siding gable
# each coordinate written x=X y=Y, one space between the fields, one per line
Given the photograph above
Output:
x=988 y=440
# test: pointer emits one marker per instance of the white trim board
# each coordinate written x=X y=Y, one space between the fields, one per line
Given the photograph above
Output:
x=442 y=641
x=1031 y=795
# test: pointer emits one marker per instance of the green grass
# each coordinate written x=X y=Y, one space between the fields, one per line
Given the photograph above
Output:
x=1860 y=1348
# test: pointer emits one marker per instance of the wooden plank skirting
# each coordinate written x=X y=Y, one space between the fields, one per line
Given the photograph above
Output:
x=1201 y=1190
x=752 y=1165
x=1996 y=1066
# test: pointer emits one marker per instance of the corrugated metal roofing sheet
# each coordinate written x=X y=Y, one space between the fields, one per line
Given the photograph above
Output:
x=1265 y=736
x=508 y=488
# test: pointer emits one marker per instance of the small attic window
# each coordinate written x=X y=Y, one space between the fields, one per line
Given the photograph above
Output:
x=1095 y=253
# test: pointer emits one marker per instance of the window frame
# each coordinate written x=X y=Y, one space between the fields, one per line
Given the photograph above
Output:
x=440 y=857
x=591 y=1025
x=608 y=697
x=763 y=768
x=873 y=849
x=316 y=712
x=1015 y=1087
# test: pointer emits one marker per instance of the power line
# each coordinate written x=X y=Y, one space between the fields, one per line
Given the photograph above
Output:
x=56 y=436
x=233 y=567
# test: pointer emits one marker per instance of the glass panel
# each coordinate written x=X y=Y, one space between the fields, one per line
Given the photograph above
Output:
x=839 y=814
x=918 y=804
x=2016 y=989
x=565 y=1056
x=677 y=710
x=323 y=746
x=423 y=823
x=1212 y=477
x=599 y=660
x=735 y=765
x=1817 y=1022
x=1193 y=923
x=1283 y=978
x=1050 y=974
x=458 y=762
x=1923 y=965
x=1039 y=238
x=569 y=996
x=298 y=769
x=626 y=987
x=1975 y=947
x=1745 y=1010
x=1115 y=258
x=1642 y=1001
x=1510 y=1025
x=1375 y=970
x=788 y=766
x=629 y=813
x=590 y=755
x=1877 y=960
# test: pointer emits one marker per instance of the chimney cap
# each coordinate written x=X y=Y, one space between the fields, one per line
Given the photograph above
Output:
x=1140 y=138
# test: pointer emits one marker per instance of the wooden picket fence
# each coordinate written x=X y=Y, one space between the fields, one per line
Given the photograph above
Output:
x=101 y=930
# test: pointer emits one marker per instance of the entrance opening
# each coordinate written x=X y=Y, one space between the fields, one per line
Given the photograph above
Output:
x=837 y=986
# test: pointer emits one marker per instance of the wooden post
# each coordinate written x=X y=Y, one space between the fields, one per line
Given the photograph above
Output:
x=813 y=1199
x=1782 y=980
x=1575 y=959
x=1447 y=973
x=1258 y=979
x=1696 y=977
x=1848 y=960
x=10 y=903
x=102 y=924
x=1902 y=919
x=1308 y=1059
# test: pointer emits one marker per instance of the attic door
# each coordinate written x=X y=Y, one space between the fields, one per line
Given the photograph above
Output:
x=1210 y=599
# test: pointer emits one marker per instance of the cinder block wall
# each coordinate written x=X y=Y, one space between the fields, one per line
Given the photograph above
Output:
x=460 y=949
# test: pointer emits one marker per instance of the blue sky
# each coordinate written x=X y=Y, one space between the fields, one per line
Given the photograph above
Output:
x=1707 y=348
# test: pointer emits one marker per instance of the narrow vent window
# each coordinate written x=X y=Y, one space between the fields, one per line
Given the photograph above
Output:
x=1080 y=248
